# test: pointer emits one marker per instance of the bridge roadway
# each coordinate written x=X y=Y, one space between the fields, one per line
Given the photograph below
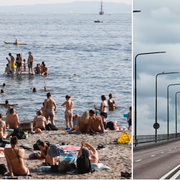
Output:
x=160 y=162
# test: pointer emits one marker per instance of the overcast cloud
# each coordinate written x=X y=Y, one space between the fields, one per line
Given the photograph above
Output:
x=156 y=28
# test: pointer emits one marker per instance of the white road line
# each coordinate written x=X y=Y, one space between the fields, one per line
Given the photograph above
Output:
x=152 y=155
x=138 y=160
x=176 y=175
x=167 y=174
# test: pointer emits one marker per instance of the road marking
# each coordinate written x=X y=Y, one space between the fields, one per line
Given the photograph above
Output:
x=176 y=175
x=138 y=160
x=167 y=174
x=152 y=155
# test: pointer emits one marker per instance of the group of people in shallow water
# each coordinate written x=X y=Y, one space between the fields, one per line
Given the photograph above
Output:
x=19 y=65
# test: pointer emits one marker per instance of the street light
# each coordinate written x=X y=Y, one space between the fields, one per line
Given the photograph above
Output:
x=156 y=101
x=176 y=110
x=135 y=100
x=168 y=106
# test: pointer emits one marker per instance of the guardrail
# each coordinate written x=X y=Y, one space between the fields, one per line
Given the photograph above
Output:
x=149 y=139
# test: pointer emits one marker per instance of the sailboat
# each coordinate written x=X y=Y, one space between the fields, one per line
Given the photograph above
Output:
x=101 y=12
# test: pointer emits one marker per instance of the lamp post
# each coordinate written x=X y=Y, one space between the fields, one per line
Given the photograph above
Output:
x=135 y=99
x=163 y=73
x=176 y=111
x=168 y=106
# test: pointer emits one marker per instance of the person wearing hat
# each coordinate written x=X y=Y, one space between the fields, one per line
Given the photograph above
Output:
x=53 y=154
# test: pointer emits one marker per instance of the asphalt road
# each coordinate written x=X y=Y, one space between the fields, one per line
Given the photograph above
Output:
x=157 y=162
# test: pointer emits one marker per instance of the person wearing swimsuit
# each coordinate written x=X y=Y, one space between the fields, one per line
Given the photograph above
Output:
x=103 y=110
x=15 y=159
x=69 y=111
x=39 y=121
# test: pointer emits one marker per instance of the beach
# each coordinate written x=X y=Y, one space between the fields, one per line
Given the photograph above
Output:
x=116 y=156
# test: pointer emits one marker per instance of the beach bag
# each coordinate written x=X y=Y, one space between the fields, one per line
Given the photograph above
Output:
x=27 y=127
x=124 y=138
x=67 y=161
x=50 y=127
x=83 y=164
x=2 y=169
x=18 y=133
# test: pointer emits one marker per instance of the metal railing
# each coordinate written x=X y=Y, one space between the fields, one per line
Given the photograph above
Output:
x=149 y=139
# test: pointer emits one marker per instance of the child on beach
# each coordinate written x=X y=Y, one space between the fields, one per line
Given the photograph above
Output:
x=129 y=118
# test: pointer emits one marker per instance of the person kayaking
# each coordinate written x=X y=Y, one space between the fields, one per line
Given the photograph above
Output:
x=16 y=41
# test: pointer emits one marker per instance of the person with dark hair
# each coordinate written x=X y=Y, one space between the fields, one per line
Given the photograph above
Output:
x=39 y=121
x=7 y=70
x=44 y=70
x=4 y=84
x=92 y=154
x=18 y=63
x=30 y=63
x=2 y=127
x=15 y=159
x=12 y=119
x=37 y=69
x=7 y=104
x=49 y=112
x=95 y=123
x=33 y=89
x=129 y=118
x=69 y=110
x=103 y=110
x=43 y=148
x=111 y=103
x=2 y=91
x=11 y=62
x=43 y=109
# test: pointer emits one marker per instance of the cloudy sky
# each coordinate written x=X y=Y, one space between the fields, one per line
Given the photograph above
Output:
x=32 y=2
x=156 y=28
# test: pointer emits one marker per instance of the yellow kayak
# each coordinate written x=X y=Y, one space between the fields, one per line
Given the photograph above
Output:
x=13 y=43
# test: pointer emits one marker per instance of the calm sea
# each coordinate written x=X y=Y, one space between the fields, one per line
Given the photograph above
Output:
x=99 y=53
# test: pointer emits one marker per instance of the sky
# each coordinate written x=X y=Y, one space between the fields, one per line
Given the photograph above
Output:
x=156 y=28
x=32 y=2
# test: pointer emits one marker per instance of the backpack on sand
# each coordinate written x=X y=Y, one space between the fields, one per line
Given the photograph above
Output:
x=83 y=164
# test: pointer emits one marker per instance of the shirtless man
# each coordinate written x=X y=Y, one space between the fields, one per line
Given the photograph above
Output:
x=43 y=109
x=129 y=118
x=7 y=104
x=11 y=62
x=12 y=119
x=8 y=69
x=95 y=123
x=30 y=63
x=37 y=69
x=44 y=70
x=2 y=126
x=48 y=104
x=92 y=154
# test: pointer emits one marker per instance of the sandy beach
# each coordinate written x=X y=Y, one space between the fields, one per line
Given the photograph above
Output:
x=117 y=156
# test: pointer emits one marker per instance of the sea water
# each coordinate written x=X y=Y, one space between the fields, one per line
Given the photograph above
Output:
x=98 y=53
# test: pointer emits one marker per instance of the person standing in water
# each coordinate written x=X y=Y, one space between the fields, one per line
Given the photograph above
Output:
x=103 y=110
x=30 y=63
x=69 y=110
x=48 y=104
x=11 y=62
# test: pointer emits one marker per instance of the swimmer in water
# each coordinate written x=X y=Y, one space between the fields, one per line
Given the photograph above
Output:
x=7 y=104
x=33 y=89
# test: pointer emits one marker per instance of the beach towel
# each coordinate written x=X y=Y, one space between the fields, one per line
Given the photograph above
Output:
x=70 y=148
x=124 y=139
x=99 y=166
x=2 y=155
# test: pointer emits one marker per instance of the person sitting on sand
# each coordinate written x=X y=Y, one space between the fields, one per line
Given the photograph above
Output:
x=12 y=119
x=92 y=153
x=7 y=104
x=82 y=123
x=53 y=154
x=15 y=159
x=129 y=118
x=39 y=121
x=37 y=69
x=8 y=69
x=69 y=110
x=95 y=123
x=48 y=104
x=103 y=109
x=3 y=133
x=44 y=70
